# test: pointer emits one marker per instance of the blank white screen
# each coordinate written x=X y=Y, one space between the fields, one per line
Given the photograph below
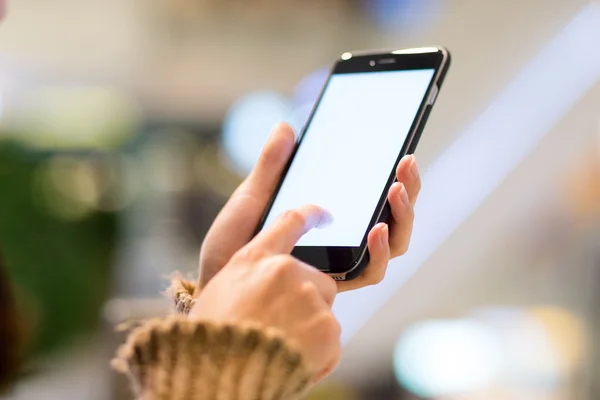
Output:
x=350 y=149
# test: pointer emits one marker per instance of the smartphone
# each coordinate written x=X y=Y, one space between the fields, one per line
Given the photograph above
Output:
x=371 y=112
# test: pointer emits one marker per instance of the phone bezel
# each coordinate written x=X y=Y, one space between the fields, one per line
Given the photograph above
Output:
x=346 y=262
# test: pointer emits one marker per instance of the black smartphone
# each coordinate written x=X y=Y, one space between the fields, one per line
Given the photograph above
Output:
x=371 y=112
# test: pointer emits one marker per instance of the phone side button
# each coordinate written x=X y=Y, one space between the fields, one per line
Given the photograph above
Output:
x=433 y=94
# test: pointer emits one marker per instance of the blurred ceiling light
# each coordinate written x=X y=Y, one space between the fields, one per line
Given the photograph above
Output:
x=247 y=126
x=346 y=56
x=75 y=117
x=530 y=359
x=440 y=358
x=566 y=56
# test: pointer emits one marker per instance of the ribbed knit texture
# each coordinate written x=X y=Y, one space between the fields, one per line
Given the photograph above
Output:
x=178 y=358
x=182 y=293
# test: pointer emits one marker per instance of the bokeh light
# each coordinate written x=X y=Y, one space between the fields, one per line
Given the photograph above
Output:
x=542 y=345
x=565 y=332
x=250 y=120
x=248 y=124
x=436 y=358
x=67 y=187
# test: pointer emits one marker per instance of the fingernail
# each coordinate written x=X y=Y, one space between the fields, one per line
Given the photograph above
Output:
x=325 y=220
x=384 y=235
x=414 y=169
x=404 y=194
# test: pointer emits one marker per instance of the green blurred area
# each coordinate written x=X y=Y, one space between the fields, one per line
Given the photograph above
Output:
x=60 y=268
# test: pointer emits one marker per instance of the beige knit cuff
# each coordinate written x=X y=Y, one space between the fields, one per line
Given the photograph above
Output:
x=185 y=359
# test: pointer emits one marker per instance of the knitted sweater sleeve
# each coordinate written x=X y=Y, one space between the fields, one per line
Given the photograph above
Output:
x=180 y=358
x=183 y=294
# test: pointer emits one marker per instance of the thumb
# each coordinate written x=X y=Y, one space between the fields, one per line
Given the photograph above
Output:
x=275 y=154
x=237 y=221
x=252 y=196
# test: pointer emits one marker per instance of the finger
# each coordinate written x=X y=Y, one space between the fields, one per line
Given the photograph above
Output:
x=237 y=221
x=403 y=217
x=324 y=284
x=379 y=253
x=408 y=173
x=275 y=154
x=254 y=193
x=294 y=270
x=281 y=236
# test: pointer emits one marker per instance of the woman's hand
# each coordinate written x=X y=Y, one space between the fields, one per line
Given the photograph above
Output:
x=390 y=240
x=236 y=223
x=234 y=226
x=263 y=284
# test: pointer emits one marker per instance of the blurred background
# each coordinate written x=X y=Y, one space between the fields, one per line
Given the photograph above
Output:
x=125 y=125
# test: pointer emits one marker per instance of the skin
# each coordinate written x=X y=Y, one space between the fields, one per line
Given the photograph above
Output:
x=234 y=226
x=256 y=280
x=263 y=284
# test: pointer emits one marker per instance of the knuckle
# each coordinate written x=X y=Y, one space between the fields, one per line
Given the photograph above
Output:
x=250 y=253
x=282 y=265
x=294 y=216
x=267 y=161
x=308 y=290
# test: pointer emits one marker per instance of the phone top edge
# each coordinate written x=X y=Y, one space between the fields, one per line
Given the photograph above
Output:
x=413 y=50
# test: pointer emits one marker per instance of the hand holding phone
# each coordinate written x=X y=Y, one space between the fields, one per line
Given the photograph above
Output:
x=371 y=113
x=236 y=223
x=262 y=284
